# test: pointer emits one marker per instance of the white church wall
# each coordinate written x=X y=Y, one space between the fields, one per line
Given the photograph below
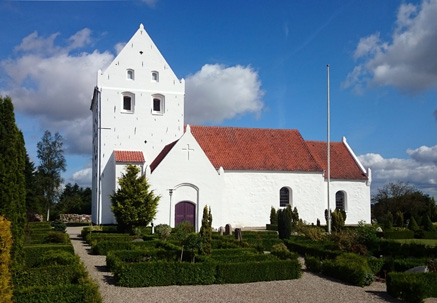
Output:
x=357 y=199
x=248 y=196
x=188 y=172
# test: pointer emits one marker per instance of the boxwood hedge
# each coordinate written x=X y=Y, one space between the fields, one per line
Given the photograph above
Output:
x=412 y=287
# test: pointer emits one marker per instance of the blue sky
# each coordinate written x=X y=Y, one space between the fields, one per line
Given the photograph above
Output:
x=267 y=57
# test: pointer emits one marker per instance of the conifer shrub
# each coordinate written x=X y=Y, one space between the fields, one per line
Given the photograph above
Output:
x=399 y=219
x=284 y=224
x=412 y=225
x=59 y=226
x=206 y=231
x=273 y=216
x=163 y=231
x=5 y=260
x=427 y=225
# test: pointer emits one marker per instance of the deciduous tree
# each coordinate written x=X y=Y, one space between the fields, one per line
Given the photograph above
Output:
x=52 y=163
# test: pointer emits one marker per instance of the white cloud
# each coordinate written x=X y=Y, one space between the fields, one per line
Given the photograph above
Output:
x=47 y=81
x=150 y=3
x=424 y=154
x=420 y=170
x=216 y=93
x=82 y=177
x=406 y=62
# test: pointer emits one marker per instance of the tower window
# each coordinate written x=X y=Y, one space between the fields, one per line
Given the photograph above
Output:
x=130 y=74
x=155 y=76
x=158 y=104
x=128 y=102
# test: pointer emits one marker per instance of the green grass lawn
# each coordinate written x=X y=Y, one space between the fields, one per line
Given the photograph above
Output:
x=428 y=242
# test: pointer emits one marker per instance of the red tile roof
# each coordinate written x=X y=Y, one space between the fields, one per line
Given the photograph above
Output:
x=343 y=164
x=236 y=148
x=129 y=156
x=162 y=155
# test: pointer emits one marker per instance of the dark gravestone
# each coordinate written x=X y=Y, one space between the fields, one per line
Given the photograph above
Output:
x=238 y=235
x=228 y=229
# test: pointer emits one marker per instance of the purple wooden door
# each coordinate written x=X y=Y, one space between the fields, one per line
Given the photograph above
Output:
x=185 y=211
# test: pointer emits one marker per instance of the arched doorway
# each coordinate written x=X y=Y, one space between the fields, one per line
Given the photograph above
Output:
x=185 y=211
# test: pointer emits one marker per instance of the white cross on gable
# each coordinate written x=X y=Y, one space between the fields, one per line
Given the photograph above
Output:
x=188 y=149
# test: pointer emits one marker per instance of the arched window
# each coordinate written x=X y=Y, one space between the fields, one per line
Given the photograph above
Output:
x=340 y=200
x=284 y=197
x=128 y=102
x=158 y=104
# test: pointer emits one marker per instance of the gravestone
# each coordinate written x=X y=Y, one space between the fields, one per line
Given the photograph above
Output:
x=222 y=230
x=228 y=229
x=238 y=235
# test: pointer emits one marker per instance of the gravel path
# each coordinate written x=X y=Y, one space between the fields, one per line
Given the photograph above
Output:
x=309 y=288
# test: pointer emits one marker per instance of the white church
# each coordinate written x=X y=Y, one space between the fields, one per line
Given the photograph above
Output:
x=138 y=118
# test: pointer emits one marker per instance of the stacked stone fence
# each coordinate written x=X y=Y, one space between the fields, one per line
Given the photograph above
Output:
x=75 y=218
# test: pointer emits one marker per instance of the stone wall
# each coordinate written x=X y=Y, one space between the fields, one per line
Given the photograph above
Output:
x=75 y=218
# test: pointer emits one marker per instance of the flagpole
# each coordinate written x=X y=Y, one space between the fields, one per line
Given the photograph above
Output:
x=329 y=156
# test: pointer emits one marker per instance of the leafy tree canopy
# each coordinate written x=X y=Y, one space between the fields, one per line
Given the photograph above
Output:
x=52 y=163
x=133 y=204
x=404 y=198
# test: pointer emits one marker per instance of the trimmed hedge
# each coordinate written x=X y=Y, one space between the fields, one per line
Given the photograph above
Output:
x=317 y=250
x=403 y=234
x=399 y=250
x=350 y=268
x=401 y=265
x=103 y=247
x=258 y=271
x=164 y=273
x=33 y=253
x=429 y=235
x=136 y=256
x=66 y=293
x=272 y=226
x=50 y=275
x=412 y=287
x=376 y=265
x=313 y=264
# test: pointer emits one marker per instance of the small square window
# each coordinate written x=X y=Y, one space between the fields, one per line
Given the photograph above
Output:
x=158 y=106
x=155 y=76
x=130 y=74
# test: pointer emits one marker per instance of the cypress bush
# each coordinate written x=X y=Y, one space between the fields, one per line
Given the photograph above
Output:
x=284 y=224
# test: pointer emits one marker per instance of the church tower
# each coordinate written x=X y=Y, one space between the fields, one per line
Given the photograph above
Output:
x=137 y=108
